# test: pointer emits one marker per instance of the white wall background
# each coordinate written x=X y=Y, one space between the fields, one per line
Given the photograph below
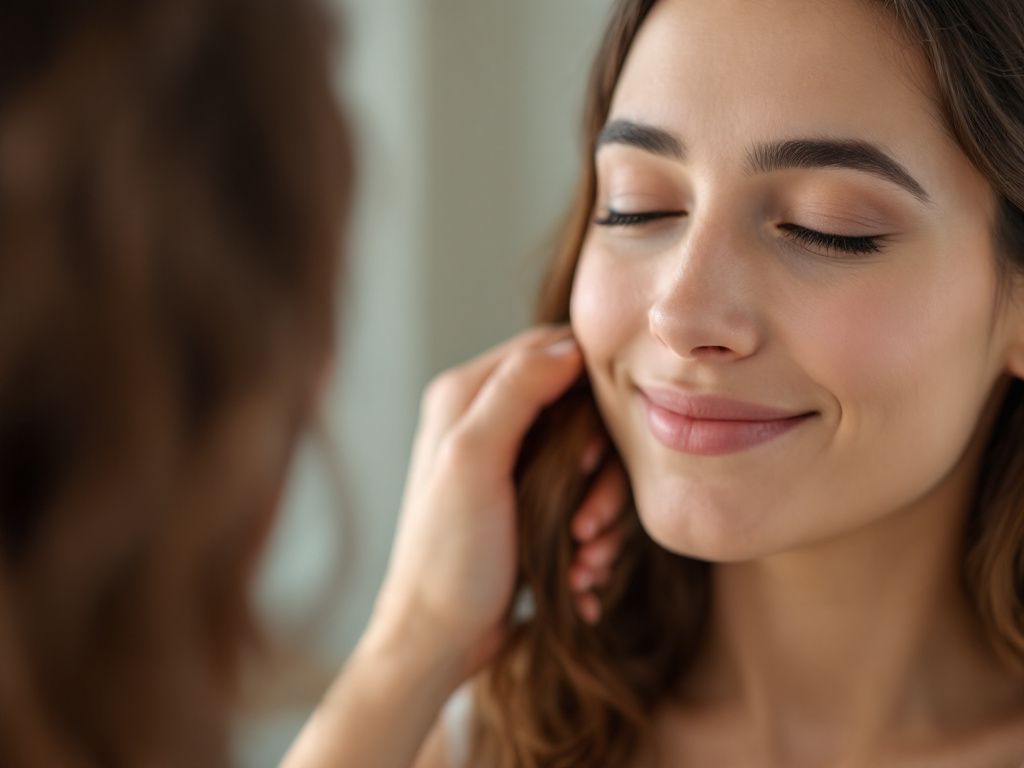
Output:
x=466 y=115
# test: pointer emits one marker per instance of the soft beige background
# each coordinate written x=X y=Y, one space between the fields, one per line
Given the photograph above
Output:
x=466 y=114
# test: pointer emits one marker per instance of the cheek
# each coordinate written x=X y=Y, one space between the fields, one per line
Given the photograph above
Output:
x=606 y=308
x=907 y=358
x=859 y=343
x=608 y=313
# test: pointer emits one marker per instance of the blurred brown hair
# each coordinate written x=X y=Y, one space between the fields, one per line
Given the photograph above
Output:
x=173 y=183
x=563 y=694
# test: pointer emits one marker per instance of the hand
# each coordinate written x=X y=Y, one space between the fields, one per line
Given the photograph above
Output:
x=599 y=529
x=452 y=570
x=440 y=613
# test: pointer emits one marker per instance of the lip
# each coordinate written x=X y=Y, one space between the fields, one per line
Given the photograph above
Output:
x=712 y=425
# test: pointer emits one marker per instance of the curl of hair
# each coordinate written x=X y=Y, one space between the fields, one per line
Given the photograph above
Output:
x=173 y=178
x=562 y=694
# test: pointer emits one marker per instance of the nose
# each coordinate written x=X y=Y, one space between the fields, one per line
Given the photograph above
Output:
x=706 y=309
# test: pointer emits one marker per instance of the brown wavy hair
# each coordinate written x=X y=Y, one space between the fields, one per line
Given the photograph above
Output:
x=173 y=182
x=564 y=694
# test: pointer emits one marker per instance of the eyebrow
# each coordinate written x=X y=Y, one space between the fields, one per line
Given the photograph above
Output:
x=831 y=153
x=775 y=156
x=645 y=137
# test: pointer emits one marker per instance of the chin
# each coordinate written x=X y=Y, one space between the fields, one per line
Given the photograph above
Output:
x=704 y=528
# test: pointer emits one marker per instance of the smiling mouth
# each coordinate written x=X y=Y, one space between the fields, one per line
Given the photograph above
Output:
x=713 y=425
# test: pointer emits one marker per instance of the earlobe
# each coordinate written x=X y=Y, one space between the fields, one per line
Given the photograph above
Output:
x=1015 y=352
x=1015 y=363
x=1013 y=317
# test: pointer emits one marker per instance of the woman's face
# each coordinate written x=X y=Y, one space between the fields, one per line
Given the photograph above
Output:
x=866 y=357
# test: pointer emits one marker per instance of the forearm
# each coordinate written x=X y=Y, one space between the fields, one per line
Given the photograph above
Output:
x=381 y=707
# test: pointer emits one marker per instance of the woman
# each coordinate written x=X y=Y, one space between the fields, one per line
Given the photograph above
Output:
x=174 y=176
x=794 y=268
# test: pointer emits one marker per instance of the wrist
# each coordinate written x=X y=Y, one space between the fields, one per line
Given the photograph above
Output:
x=406 y=644
x=385 y=700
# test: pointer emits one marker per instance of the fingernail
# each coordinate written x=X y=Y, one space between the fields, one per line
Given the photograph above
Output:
x=561 y=347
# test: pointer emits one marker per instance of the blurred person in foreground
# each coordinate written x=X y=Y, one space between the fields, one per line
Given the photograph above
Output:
x=174 y=180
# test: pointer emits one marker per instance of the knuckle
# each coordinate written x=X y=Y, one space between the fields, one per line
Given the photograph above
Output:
x=441 y=389
x=605 y=547
x=460 y=447
x=515 y=370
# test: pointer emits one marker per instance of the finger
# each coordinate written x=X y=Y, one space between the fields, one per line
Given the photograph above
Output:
x=603 y=503
x=583 y=577
x=601 y=577
x=448 y=396
x=511 y=399
x=588 y=607
x=592 y=453
x=602 y=551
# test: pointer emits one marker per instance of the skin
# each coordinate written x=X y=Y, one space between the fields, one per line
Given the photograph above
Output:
x=840 y=635
x=440 y=613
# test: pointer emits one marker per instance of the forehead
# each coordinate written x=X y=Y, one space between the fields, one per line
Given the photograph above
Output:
x=722 y=73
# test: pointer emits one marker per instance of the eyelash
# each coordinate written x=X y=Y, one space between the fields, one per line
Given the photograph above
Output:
x=857 y=245
x=860 y=245
x=617 y=219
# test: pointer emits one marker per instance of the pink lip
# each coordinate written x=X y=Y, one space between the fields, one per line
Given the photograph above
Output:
x=709 y=425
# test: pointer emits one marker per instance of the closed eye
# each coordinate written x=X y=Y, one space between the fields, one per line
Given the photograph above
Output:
x=857 y=244
x=621 y=219
x=850 y=244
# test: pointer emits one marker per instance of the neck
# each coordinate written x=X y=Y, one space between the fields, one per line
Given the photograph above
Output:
x=850 y=639
x=843 y=648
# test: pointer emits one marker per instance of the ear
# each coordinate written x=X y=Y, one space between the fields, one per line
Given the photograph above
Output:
x=1015 y=365
x=1014 y=320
